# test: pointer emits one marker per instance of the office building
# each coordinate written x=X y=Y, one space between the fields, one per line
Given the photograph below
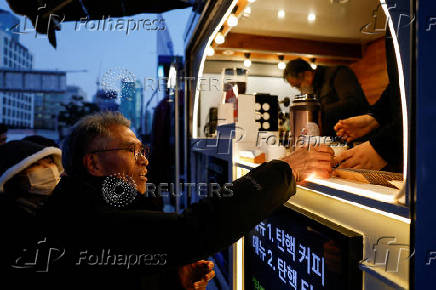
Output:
x=16 y=108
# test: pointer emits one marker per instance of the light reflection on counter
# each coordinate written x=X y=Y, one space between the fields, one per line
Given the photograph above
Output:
x=387 y=214
x=374 y=192
x=383 y=193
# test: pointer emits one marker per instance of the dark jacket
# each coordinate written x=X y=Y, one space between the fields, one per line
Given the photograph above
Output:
x=340 y=96
x=19 y=229
x=79 y=219
x=387 y=140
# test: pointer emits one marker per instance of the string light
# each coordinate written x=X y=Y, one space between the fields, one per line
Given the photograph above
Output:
x=313 y=64
x=311 y=17
x=247 y=11
x=210 y=51
x=219 y=38
x=247 y=61
x=281 y=65
x=232 y=21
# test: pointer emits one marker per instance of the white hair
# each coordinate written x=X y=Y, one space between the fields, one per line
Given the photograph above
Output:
x=84 y=132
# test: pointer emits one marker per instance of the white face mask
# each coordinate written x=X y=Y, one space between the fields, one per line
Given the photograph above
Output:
x=43 y=180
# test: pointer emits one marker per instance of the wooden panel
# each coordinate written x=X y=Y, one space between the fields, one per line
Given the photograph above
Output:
x=371 y=70
x=273 y=57
x=286 y=45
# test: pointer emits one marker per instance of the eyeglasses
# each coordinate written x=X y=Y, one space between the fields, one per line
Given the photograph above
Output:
x=143 y=150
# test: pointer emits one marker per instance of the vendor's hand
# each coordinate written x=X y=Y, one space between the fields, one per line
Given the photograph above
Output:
x=313 y=160
x=196 y=275
x=355 y=127
x=361 y=156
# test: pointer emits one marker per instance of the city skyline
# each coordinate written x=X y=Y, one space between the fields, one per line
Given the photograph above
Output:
x=96 y=51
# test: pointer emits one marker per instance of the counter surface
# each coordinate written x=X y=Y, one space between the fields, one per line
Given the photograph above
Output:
x=369 y=195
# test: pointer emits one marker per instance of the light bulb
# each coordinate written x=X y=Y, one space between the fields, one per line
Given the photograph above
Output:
x=281 y=14
x=311 y=17
x=219 y=38
x=232 y=20
x=251 y=1
x=247 y=62
x=210 y=51
x=281 y=65
x=313 y=66
x=247 y=11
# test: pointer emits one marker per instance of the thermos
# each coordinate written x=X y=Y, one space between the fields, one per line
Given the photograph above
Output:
x=305 y=118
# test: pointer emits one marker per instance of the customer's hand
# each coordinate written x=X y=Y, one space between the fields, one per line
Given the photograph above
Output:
x=196 y=275
x=361 y=156
x=311 y=161
x=355 y=127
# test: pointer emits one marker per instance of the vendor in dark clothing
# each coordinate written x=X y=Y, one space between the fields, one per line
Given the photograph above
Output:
x=87 y=213
x=382 y=127
x=337 y=88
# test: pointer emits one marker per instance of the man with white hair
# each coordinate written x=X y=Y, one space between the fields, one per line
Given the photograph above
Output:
x=95 y=206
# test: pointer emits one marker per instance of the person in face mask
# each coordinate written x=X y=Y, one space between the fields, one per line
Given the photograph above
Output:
x=29 y=172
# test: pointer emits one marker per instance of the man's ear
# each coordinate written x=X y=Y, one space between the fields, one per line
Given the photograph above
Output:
x=93 y=164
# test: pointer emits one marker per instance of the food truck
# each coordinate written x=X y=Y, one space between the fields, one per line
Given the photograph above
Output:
x=362 y=228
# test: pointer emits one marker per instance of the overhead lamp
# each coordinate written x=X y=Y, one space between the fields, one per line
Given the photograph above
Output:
x=247 y=11
x=313 y=65
x=281 y=14
x=210 y=51
x=228 y=52
x=251 y=1
x=247 y=61
x=281 y=65
x=219 y=38
x=311 y=17
x=233 y=19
